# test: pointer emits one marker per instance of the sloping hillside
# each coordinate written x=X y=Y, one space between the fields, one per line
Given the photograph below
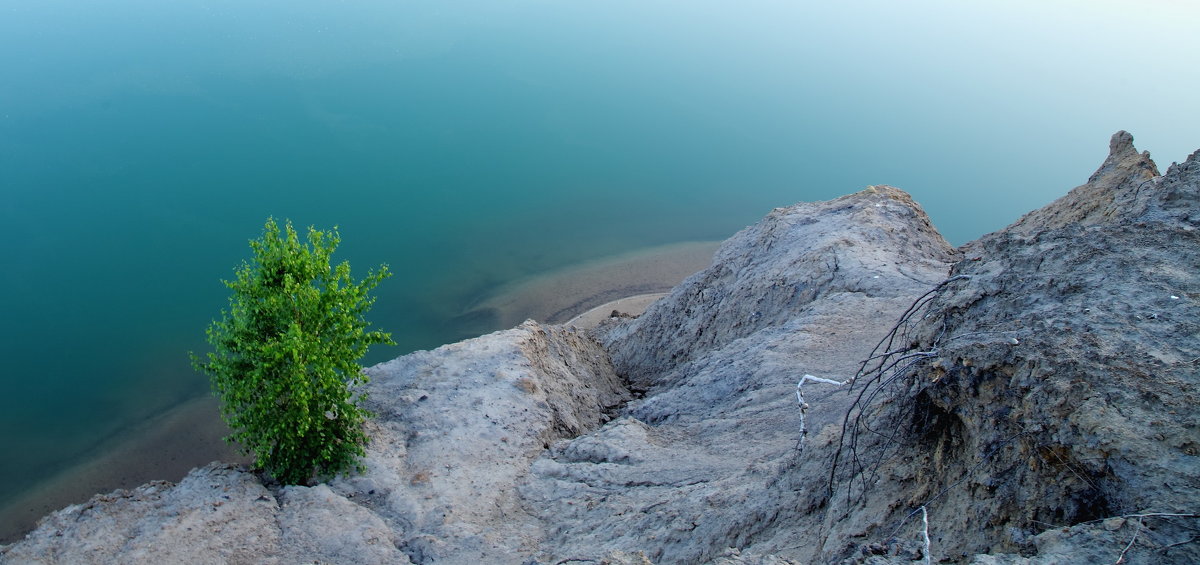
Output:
x=1031 y=397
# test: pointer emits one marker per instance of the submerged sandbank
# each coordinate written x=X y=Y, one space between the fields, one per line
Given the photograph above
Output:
x=164 y=447
x=558 y=296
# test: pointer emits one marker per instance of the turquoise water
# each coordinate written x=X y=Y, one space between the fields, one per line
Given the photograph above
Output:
x=471 y=144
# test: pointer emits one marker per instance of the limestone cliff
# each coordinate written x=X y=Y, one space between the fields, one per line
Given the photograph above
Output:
x=1034 y=393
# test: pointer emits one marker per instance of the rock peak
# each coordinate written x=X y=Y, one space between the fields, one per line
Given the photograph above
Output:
x=1123 y=163
x=776 y=269
x=1121 y=142
x=1101 y=198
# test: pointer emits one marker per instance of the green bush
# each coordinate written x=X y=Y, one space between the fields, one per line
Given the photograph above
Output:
x=286 y=356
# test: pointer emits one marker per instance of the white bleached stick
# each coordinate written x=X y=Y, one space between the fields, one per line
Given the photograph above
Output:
x=926 y=559
x=804 y=405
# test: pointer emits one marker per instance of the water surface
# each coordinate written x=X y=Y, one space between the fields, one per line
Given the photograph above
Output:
x=473 y=144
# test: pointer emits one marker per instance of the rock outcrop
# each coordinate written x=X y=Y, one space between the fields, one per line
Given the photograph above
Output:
x=455 y=429
x=1028 y=398
x=1066 y=382
x=1062 y=381
x=707 y=459
x=877 y=243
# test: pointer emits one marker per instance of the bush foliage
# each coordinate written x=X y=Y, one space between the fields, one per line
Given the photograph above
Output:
x=285 y=360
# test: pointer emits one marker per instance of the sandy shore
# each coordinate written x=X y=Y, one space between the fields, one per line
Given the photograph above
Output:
x=632 y=306
x=165 y=447
x=559 y=296
x=171 y=444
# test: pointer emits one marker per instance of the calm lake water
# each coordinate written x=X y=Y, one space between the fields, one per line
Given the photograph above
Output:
x=471 y=144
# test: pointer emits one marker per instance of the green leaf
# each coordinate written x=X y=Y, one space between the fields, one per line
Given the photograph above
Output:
x=286 y=352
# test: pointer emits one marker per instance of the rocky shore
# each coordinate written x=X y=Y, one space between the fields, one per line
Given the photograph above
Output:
x=1029 y=397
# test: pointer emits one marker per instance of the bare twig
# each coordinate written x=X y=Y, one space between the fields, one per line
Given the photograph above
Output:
x=1141 y=524
x=1179 y=543
x=804 y=405
x=1138 y=530
x=926 y=559
x=1145 y=515
x=891 y=359
x=1160 y=515
x=1071 y=468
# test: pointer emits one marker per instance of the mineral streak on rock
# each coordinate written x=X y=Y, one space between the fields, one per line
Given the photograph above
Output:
x=1047 y=414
